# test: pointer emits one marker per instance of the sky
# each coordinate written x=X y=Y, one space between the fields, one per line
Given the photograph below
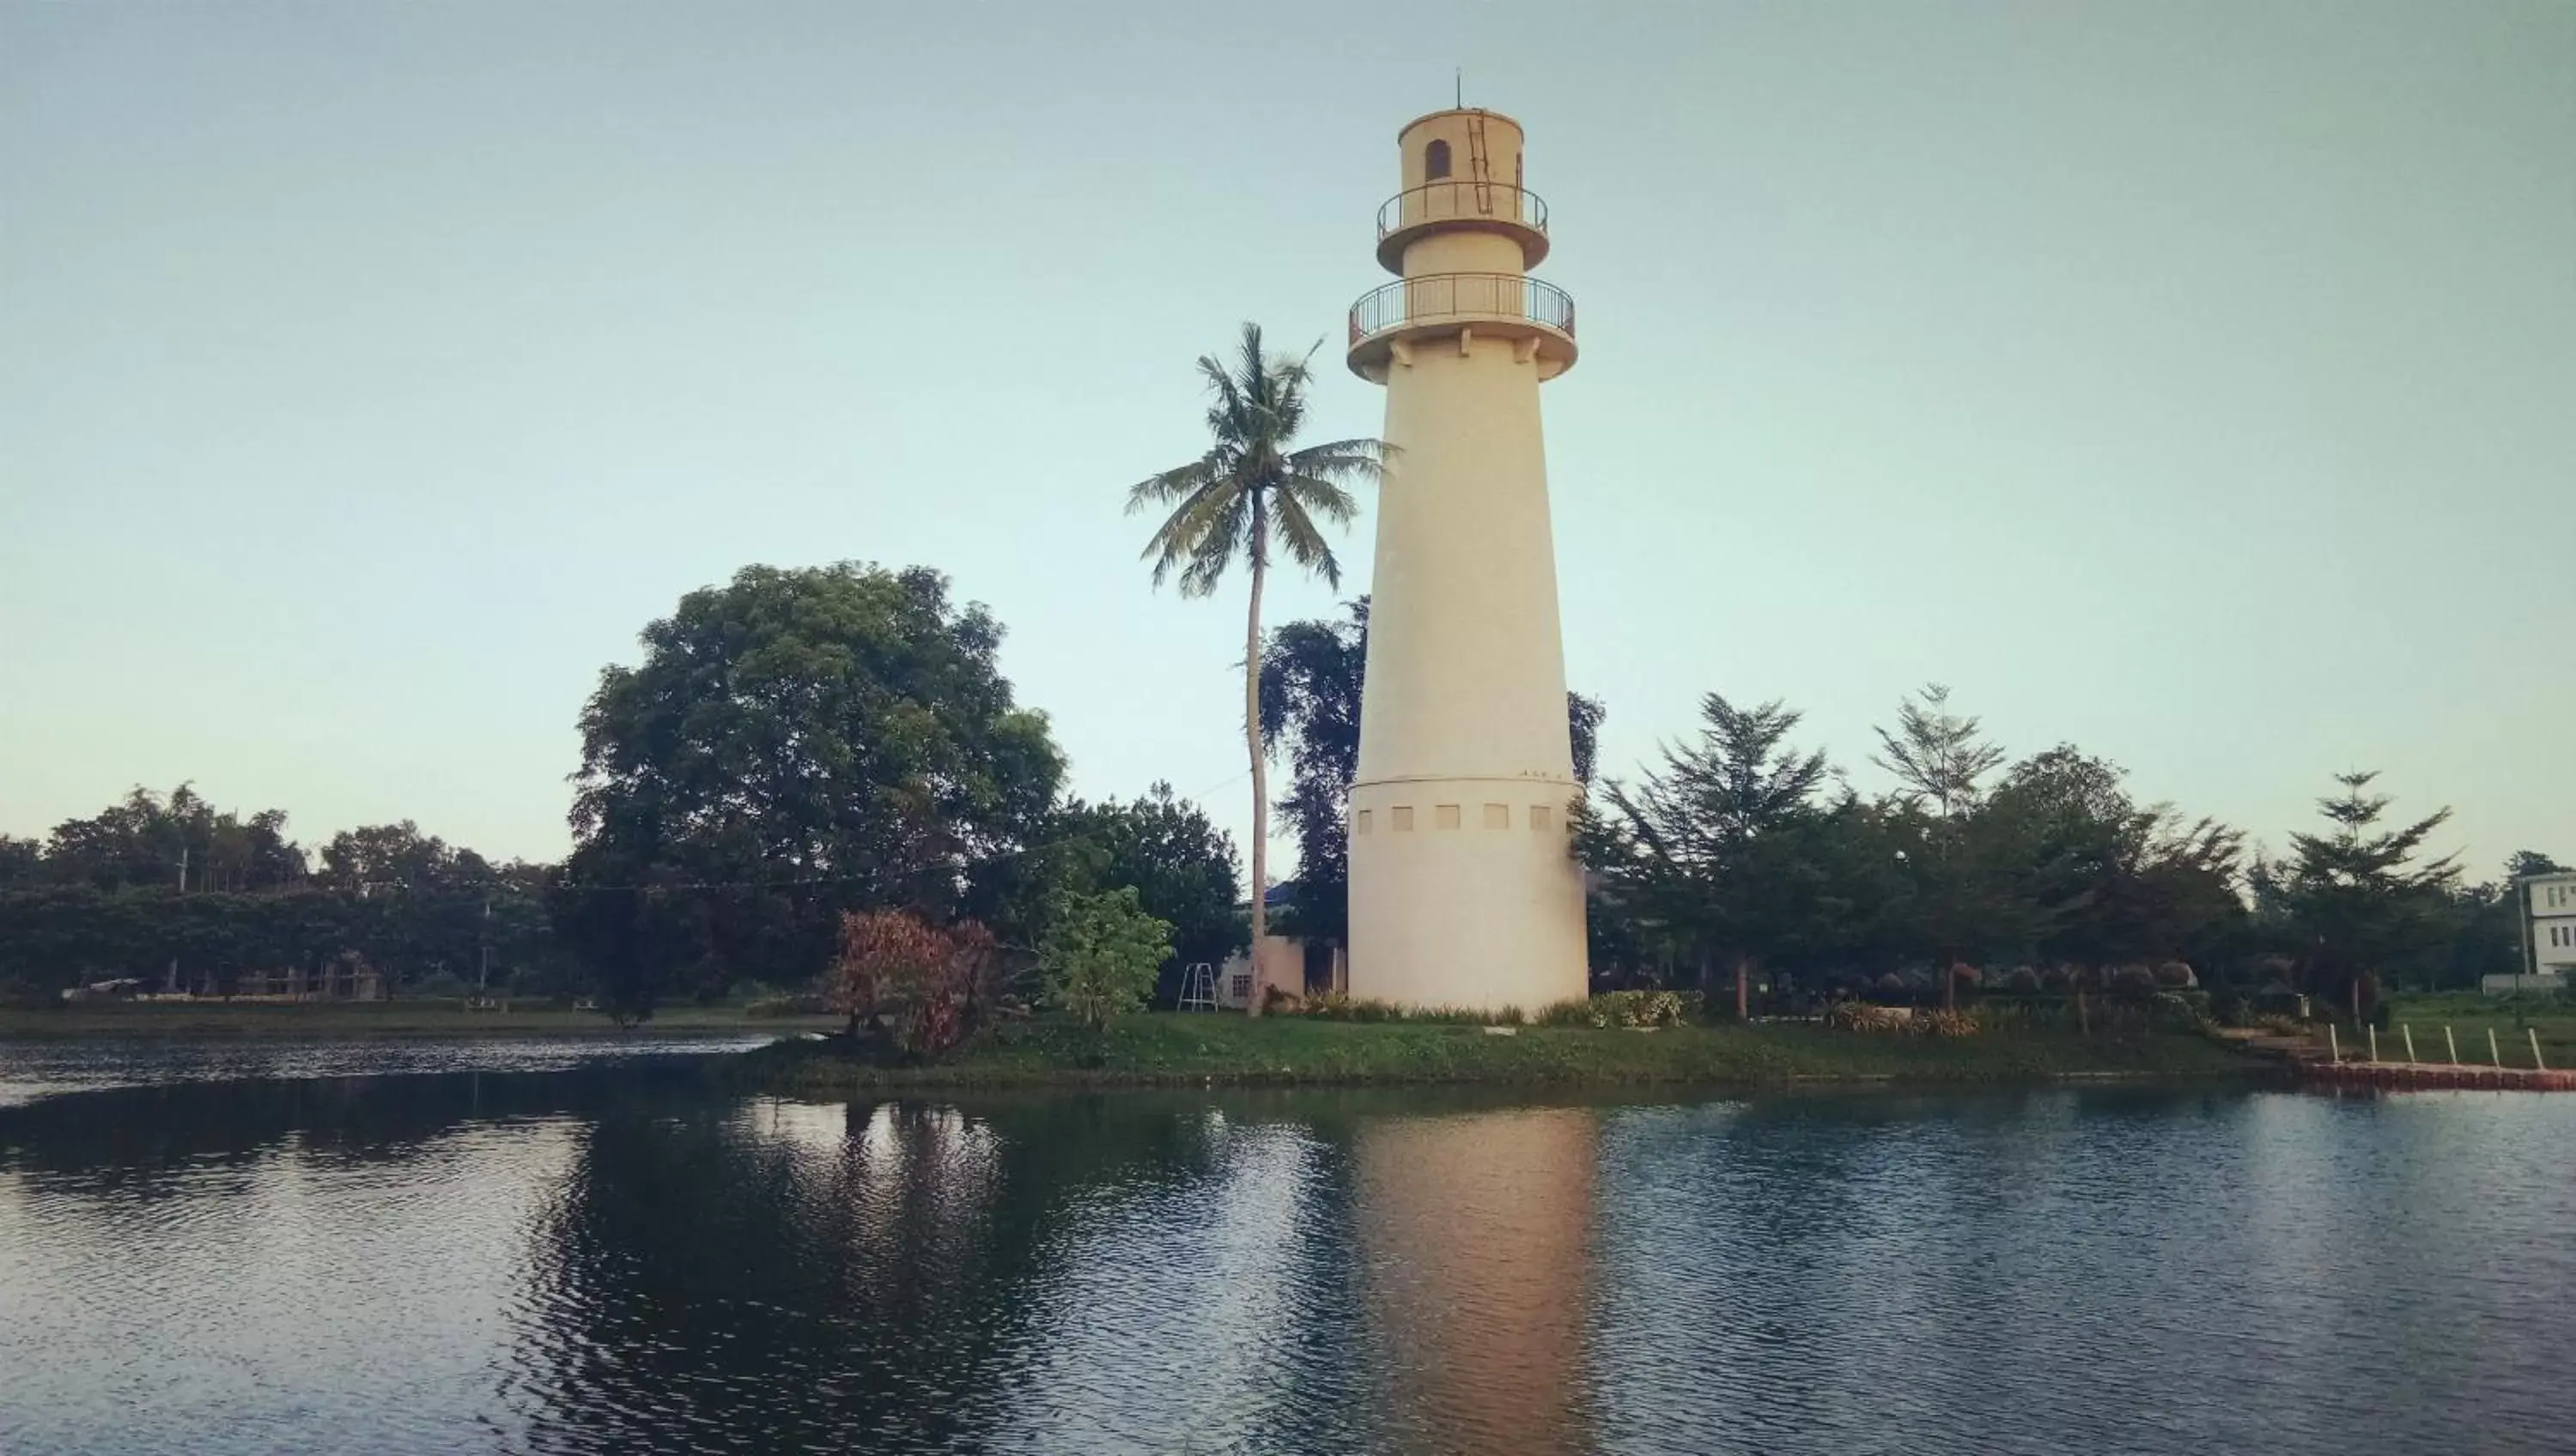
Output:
x=2194 y=382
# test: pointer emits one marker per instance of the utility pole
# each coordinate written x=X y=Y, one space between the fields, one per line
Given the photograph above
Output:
x=483 y=975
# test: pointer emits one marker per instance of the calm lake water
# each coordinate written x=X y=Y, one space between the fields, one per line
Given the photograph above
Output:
x=626 y=1259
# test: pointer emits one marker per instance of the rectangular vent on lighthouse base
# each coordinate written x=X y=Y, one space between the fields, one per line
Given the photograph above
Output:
x=1445 y=815
x=1498 y=816
x=1403 y=817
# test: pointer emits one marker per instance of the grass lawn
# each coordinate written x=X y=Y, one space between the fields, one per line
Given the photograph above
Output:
x=2470 y=1017
x=371 y=1019
x=1167 y=1049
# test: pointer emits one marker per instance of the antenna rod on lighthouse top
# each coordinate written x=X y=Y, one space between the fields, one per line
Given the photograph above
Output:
x=1458 y=78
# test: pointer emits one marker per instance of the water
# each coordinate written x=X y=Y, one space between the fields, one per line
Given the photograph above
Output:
x=33 y=1069
x=630 y=1259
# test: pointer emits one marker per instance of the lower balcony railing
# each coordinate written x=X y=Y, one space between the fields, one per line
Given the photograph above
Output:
x=1439 y=297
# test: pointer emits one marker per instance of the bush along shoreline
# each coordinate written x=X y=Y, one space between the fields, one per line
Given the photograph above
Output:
x=1621 y=1039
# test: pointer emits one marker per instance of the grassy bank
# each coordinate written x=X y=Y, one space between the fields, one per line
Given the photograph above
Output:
x=2470 y=1017
x=376 y=1019
x=1166 y=1049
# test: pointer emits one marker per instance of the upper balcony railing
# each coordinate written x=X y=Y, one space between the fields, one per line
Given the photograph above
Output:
x=1457 y=200
x=1493 y=206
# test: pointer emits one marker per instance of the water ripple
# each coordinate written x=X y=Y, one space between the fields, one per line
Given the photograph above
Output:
x=628 y=1261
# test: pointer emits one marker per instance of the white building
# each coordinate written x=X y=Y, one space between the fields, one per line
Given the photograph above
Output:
x=2549 y=913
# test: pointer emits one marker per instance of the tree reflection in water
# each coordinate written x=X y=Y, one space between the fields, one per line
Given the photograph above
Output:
x=1097 y=1273
x=638 y=1260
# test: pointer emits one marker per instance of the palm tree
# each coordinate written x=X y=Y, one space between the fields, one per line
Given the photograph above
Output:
x=1229 y=502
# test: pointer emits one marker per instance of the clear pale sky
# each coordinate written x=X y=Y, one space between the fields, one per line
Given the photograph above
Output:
x=2195 y=382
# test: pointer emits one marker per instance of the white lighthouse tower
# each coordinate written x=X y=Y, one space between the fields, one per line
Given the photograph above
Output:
x=1463 y=892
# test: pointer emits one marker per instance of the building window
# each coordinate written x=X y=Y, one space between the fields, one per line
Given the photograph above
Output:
x=1364 y=821
x=1445 y=815
x=1498 y=816
x=1538 y=816
x=1435 y=161
x=1403 y=817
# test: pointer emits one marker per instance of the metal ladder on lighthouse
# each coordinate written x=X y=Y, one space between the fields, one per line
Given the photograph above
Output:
x=1477 y=164
x=1480 y=172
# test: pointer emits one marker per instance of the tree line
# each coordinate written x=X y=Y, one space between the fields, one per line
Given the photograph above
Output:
x=172 y=892
x=1743 y=859
x=794 y=746
x=801 y=746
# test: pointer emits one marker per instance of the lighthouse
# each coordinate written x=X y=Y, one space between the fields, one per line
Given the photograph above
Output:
x=1463 y=890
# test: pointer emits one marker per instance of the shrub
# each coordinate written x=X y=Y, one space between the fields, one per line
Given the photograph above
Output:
x=925 y=986
x=1862 y=1016
x=1339 y=1006
x=1331 y=1006
x=1945 y=1024
x=1101 y=955
x=2006 y=1016
x=2179 y=1011
x=1642 y=1008
x=1566 y=1013
x=1617 y=1008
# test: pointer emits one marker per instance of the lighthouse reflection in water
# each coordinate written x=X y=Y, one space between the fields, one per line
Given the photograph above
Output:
x=624 y=1261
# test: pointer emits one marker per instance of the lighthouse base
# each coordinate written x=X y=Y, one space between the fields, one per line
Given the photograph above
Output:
x=1465 y=895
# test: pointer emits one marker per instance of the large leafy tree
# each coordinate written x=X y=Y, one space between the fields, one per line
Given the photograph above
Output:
x=398 y=856
x=2085 y=873
x=1249 y=490
x=1716 y=843
x=795 y=744
x=1312 y=677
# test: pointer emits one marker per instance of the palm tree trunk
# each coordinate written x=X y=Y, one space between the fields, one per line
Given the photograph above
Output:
x=1743 y=979
x=1252 y=744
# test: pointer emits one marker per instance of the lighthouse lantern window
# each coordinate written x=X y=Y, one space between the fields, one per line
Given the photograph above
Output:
x=1435 y=161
